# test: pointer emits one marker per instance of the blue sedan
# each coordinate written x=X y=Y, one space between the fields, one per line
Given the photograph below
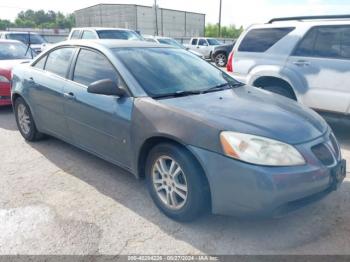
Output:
x=202 y=140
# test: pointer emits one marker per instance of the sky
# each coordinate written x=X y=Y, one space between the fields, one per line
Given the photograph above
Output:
x=237 y=12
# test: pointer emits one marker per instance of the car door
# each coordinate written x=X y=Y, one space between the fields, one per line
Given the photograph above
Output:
x=322 y=62
x=98 y=123
x=203 y=47
x=47 y=81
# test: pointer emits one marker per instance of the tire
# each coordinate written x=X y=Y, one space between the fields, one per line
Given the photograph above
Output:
x=220 y=59
x=281 y=90
x=25 y=121
x=192 y=203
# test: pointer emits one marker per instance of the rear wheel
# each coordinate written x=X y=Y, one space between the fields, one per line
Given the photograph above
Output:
x=220 y=59
x=25 y=121
x=176 y=183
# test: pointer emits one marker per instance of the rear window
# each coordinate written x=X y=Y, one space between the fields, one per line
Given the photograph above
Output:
x=118 y=34
x=260 y=40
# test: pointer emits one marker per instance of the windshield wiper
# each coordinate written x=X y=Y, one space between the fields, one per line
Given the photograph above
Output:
x=222 y=87
x=178 y=94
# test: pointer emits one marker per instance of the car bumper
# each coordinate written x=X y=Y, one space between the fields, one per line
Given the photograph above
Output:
x=241 y=189
x=5 y=94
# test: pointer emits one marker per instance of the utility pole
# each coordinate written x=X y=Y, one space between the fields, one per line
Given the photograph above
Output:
x=220 y=18
x=156 y=16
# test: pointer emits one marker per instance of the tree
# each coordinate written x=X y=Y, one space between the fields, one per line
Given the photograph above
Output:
x=5 y=24
x=43 y=19
x=212 y=30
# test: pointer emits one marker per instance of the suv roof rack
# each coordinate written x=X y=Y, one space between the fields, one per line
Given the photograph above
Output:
x=318 y=17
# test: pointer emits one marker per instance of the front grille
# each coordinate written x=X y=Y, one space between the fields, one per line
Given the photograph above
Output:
x=334 y=145
x=323 y=154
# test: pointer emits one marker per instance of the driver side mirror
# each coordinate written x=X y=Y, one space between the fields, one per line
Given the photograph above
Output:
x=106 y=87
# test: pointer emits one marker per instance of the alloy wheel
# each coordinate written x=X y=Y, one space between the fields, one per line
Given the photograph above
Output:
x=23 y=118
x=170 y=182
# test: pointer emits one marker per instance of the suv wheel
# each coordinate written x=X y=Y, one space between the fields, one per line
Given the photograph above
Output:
x=176 y=182
x=220 y=59
x=25 y=121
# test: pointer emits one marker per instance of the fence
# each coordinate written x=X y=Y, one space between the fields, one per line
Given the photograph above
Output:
x=58 y=35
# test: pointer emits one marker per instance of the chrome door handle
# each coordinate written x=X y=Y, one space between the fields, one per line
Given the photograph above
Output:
x=69 y=95
x=301 y=63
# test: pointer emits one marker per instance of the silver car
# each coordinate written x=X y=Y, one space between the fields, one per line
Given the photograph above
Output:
x=303 y=58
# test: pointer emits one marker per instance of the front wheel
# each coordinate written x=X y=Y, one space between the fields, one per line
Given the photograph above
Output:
x=25 y=121
x=176 y=182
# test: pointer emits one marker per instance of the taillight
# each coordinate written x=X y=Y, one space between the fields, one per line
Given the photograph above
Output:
x=229 y=66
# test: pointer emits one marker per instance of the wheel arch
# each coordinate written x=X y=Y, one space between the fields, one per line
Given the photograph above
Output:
x=151 y=142
x=263 y=81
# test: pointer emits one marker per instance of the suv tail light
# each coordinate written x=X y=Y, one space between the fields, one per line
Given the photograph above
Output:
x=229 y=66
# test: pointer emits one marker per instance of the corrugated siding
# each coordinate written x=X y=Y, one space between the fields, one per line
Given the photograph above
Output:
x=170 y=22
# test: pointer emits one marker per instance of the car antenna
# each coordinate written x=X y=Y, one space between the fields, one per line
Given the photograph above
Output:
x=28 y=46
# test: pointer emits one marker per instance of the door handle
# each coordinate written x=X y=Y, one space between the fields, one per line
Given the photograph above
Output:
x=69 y=95
x=301 y=63
x=31 y=80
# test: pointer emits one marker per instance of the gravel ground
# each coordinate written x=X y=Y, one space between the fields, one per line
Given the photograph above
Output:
x=56 y=199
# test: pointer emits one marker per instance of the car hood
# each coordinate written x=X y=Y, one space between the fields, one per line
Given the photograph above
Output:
x=252 y=111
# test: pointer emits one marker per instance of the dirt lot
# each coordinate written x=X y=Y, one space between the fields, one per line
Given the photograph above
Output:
x=56 y=199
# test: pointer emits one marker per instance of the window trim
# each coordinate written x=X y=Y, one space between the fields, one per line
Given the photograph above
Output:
x=313 y=56
x=47 y=55
x=74 y=63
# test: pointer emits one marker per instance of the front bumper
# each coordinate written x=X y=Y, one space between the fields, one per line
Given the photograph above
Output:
x=5 y=94
x=240 y=189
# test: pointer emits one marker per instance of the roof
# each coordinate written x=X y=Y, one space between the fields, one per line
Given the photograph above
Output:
x=18 y=32
x=101 y=28
x=139 y=6
x=111 y=43
x=10 y=41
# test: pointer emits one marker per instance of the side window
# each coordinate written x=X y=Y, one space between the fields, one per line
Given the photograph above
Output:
x=260 y=40
x=194 y=41
x=58 y=61
x=325 y=41
x=75 y=34
x=92 y=66
x=306 y=45
x=41 y=63
x=328 y=42
x=202 y=42
x=88 y=35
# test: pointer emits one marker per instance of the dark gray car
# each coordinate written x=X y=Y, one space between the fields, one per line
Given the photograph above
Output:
x=201 y=139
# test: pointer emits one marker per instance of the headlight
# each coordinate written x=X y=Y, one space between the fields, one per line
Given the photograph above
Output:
x=259 y=150
x=4 y=79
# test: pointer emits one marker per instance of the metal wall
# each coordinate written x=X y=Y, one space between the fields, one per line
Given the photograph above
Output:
x=171 y=23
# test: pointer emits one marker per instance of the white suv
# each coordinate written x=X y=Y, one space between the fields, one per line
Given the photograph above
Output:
x=303 y=58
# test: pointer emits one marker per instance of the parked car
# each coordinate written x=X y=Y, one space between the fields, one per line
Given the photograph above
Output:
x=200 y=138
x=36 y=42
x=203 y=45
x=302 y=58
x=221 y=53
x=11 y=53
x=169 y=41
x=104 y=33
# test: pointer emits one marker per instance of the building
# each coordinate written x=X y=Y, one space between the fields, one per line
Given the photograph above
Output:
x=171 y=23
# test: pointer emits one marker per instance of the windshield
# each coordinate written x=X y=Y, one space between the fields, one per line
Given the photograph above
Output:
x=119 y=34
x=162 y=71
x=11 y=51
x=24 y=38
x=169 y=41
x=213 y=41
